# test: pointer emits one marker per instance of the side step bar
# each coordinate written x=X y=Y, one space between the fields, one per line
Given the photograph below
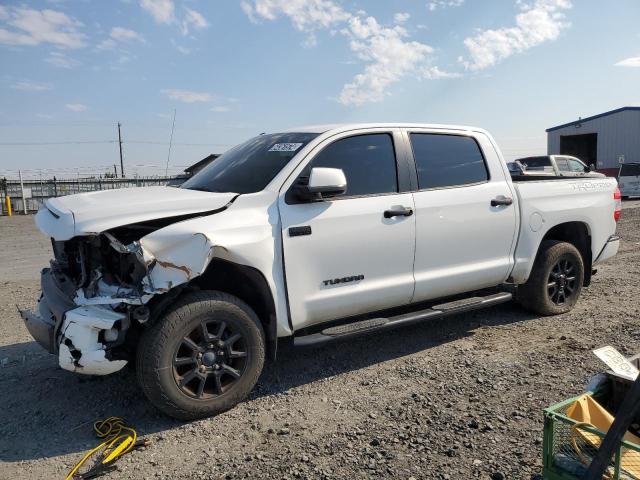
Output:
x=371 y=325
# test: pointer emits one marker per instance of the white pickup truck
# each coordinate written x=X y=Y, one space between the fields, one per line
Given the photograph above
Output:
x=552 y=165
x=316 y=234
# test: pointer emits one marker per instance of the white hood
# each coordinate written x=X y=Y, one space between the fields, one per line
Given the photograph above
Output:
x=63 y=218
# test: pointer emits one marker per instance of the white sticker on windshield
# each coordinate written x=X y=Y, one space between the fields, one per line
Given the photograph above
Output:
x=285 y=147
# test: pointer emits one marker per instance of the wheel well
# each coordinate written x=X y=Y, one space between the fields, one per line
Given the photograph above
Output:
x=577 y=234
x=250 y=286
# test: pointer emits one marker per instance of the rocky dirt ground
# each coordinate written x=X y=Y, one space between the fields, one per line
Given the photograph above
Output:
x=455 y=400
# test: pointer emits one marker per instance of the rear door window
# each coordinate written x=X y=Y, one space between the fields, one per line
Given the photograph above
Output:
x=447 y=160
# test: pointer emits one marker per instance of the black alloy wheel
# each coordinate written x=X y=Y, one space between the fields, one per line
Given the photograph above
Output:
x=562 y=282
x=210 y=359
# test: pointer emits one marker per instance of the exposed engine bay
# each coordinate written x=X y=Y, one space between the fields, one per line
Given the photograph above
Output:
x=99 y=286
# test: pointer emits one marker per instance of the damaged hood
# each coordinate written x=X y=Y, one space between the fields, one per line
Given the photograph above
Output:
x=91 y=213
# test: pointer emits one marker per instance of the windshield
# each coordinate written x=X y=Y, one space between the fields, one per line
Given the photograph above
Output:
x=250 y=166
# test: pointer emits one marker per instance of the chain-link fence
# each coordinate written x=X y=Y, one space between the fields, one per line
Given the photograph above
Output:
x=35 y=192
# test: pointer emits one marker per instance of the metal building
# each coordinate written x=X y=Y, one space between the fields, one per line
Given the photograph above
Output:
x=604 y=141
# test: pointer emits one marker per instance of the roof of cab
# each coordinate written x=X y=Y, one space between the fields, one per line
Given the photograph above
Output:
x=343 y=127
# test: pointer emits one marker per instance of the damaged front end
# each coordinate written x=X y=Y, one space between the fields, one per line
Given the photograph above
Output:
x=99 y=287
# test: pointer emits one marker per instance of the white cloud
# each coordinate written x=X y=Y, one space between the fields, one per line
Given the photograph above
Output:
x=629 y=62
x=60 y=60
x=539 y=22
x=76 y=107
x=388 y=55
x=306 y=15
x=162 y=11
x=187 y=96
x=125 y=35
x=120 y=34
x=401 y=17
x=27 y=26
x=183 y=50
x=107 y=44
x=436 y=4
x=390 y=58
x=192 y=19
x=28 y=86
x=434 y=73
x=220 y=109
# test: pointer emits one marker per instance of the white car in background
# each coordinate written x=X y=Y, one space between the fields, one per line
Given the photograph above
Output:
x=629 y=180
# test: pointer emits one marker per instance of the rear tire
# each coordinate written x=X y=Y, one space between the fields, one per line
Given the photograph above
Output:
x=556 y=279
x=202 y=357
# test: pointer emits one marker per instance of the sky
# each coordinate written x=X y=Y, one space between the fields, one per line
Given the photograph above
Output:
x=72 y=69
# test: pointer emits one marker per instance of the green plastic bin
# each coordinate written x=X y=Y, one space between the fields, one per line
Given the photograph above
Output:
x=566 y=455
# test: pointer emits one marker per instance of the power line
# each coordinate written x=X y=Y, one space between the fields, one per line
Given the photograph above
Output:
x=69 y=142
x=94 y=142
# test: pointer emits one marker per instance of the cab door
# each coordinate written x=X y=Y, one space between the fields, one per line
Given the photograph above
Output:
x=466 y=220
x=350 y=254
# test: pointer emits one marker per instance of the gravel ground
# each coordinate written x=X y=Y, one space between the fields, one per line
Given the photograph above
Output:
x=457 y=399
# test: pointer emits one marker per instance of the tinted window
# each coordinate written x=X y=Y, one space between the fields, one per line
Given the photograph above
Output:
x=368 y=162
x=250 y=166
x=630 y=170
x=575 y=165
x=562 y=164
x=536 y=163
x=447 y=160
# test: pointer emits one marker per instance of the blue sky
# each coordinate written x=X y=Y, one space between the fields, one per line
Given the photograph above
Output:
x=71 y=69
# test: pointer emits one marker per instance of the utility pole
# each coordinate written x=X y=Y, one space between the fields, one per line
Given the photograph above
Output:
x=120 y=142
x=24 y=200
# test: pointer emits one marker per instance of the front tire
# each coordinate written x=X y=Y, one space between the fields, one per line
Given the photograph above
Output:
x=202 y=357
x=556 y=279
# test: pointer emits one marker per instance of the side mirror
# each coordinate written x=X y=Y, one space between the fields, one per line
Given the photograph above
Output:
x=323 y=183
x=588 y=168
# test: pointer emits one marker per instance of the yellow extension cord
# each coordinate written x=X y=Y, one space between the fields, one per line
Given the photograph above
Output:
x=118 y=439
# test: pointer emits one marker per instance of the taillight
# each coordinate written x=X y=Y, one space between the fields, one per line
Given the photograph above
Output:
x=617 y=196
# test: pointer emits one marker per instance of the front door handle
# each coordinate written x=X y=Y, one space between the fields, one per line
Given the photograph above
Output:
x=398 y=212
x=501 y=200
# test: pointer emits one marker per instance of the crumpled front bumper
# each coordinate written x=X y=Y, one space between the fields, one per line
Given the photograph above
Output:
x=76 y=334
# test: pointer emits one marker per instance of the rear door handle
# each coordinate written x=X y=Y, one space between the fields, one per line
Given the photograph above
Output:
x=398 y=212
x=501 y=200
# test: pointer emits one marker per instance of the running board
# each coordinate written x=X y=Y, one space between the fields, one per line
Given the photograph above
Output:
x=371 y=325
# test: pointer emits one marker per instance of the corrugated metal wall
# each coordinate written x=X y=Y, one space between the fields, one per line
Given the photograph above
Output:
x=618 y=134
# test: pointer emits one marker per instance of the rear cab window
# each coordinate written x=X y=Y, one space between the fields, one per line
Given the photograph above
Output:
x=630 y=170
x=536 y=164
x=447 y=160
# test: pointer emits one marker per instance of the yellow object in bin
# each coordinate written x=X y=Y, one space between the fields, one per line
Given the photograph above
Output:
x=586 y=411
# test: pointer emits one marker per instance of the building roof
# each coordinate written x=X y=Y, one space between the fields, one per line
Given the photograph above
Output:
x=582 y=120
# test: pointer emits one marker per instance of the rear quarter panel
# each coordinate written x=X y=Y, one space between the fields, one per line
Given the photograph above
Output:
x=547 y=203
